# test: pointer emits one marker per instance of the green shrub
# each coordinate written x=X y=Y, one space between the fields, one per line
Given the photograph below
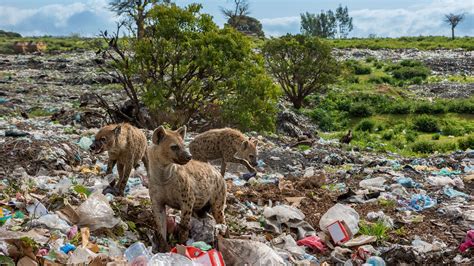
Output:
x=430 y=108
x=367 y=125
x=411 y=63
x=423 y=147
x=388 y=135
x=353 y=79
x=362 y=70
x=451 y=129
x=426 y=123
x=466 y=143
x=329 y=121
x=417 y=80
x=461 y=106
x=378 y=65
x=370 y=59
x=399 y=108
x=411 y=136
x=360 y=110
x=380 y=79
x=435 y=136
x=446 y=146
x=408 y=73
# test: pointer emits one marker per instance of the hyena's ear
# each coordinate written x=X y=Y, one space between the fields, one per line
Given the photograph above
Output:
x=254 y=141
x=117 y=130
x=245 y=144
x=158 y=135
x=181 y=131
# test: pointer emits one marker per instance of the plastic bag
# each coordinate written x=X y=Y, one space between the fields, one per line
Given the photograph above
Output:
x=289 y=216
x=52 y=221
x=37 y=209
x=137 y=254
x=241 y=252
x=376 y=183
x=96 y=212
x=313 y=242
x=85 y=143
x=165 y=259
x=408 y=182
x=451 y=192
x=340 y=212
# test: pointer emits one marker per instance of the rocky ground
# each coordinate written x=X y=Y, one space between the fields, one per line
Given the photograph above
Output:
x=50 y=184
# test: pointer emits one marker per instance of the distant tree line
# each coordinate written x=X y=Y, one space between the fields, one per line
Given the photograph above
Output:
x=327 y=24
x=9 y=34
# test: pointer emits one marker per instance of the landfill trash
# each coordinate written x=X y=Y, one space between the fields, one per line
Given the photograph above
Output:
x=360 y=240
x=408 y=182
x=205 y=258
x=376 y=184
x=137 y=254
x=26 y=261
x=85 y=143
x=241 y=252
x=167 y=259
x=381 y=216
x=52 y=221
x=96 y=212
x=375 y=261
x=287 y=243
x=468 y=241
x=201 y=245
x=440 y=180
x=247 y=176
x=37 y=209
x=68 y=247
x=339 y=232
x=313 y=242
x=446 y=172
x=425 y=247
x=289 y=216
x=419 y=202
x=16 y=133
x=340 y=212
x=451 y=192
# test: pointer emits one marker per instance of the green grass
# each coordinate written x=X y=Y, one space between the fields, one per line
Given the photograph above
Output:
x=422 y=43
x=377 y=229
x=54 y=44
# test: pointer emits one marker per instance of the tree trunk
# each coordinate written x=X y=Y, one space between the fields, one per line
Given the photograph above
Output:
x=297 y=102
x=452 y=32
x=140 y=27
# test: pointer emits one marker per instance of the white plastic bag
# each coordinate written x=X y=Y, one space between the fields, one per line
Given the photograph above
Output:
x=96 y=212
x=340 y=212
x=376 y=183
x=248 y=252
x=165 y=259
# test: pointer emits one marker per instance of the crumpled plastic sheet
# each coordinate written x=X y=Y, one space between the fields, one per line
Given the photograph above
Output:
x=96 y=212
x=446 y=172
x=452 y=193
x=241 y=252
x=340 y=212
x=165 y=259
x=418 y=202
x=408 y=182
x=313 y=242
x=289 y=216
x=468 y=241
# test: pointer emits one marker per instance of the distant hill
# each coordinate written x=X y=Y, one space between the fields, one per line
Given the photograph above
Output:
x=9 y=34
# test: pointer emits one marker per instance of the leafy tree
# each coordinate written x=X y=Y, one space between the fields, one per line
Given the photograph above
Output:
x=238 y=18
x=135 y=11
x=453 y=20
x=301 y=64
x=186 y=62
x=344 y=21
x=321 y=25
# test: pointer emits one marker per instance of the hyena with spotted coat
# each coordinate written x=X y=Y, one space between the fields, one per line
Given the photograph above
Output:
x=126 y=146
x=181 y=183
x=227 y=144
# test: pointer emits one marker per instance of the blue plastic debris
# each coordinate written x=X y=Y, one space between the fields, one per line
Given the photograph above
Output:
x=418 y=202
x=452 y=193
x=68 y=247
x=408 y=182
x=446 y=172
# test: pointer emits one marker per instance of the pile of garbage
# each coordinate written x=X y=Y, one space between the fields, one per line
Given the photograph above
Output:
x=314 y=201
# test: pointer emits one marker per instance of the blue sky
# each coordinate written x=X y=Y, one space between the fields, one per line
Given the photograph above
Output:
x=390 y=18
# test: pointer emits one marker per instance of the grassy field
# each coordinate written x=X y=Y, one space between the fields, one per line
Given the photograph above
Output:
x=55 y=44
x=422 y=43
x=371 y=99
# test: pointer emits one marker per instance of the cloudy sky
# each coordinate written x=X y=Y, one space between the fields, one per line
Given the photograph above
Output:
x=390 y=18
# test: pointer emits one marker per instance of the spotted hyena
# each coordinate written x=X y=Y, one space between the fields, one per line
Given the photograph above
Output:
x=227 y=144
x=126 y=146
x=181 y=183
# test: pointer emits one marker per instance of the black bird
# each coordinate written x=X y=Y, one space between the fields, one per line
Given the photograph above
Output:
x=346 y=138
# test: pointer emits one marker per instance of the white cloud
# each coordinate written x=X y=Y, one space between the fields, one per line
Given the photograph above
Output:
x=85 y=18
x=412 y=20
